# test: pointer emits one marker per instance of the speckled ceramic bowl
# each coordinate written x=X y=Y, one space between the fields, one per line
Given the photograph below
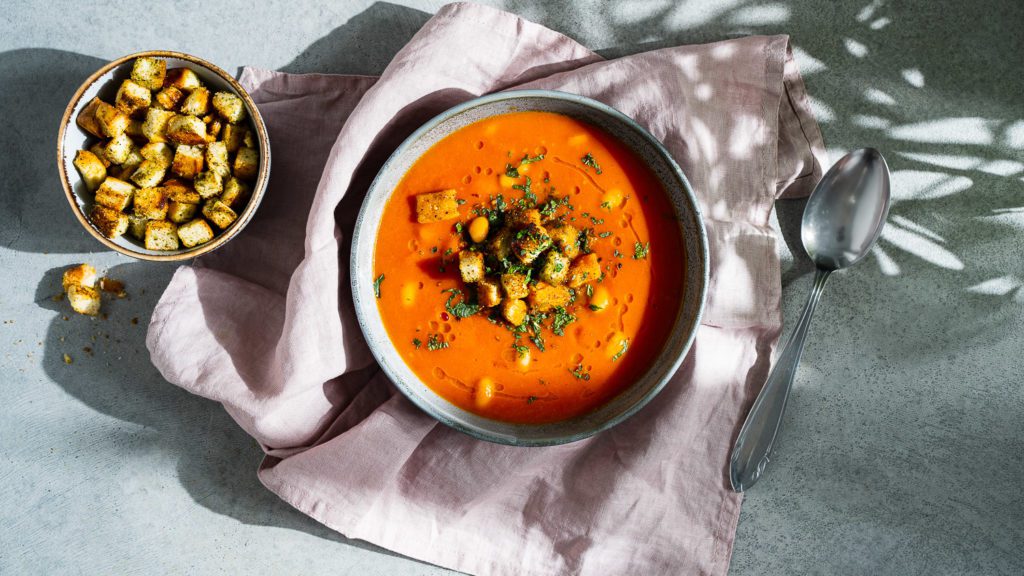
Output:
x=691 y=229
x=104 y=83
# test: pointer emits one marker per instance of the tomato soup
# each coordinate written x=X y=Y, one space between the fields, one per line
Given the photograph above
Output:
x=529 y=267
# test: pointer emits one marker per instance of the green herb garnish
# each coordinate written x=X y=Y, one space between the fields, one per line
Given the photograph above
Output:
x=588 y=160
x=417 y=343
x=640 y=251
x=625 y=346
x=527 y=160
x=376 y=285
x=436 y=342
x=461 y=309
x=559 y=320
x=604 y=234
x=511 y=171
x=579 y=373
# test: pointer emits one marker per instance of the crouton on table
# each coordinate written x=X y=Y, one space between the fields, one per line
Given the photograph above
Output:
x=83 y=274
x=84 y=299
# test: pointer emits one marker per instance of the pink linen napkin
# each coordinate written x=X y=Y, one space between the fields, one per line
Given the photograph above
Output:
x=265 y=325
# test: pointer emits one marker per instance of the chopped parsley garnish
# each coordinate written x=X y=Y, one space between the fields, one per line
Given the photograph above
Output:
x=579 y=373
x=433 y=250
x=594 y=308
x=460 y=201
x=640 y=251
x=625 y=346
x=448 y=252
x=527 y=191
x=461 y=309
x=616 y=253
x=458 y=227
x=376 y=285
x=551 y=206
x=560 y=320
x=606 y=205
x=590 y=290
x=521 y=350
x=527 y=160
x=417 y=343
x=604 y=234
x=531 y=399
x=511 y=171
x=436 y=342
x=588 y=160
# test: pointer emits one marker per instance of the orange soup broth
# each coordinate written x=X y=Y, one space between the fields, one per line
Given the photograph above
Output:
x=645 y=293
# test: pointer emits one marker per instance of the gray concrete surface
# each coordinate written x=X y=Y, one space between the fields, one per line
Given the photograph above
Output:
x=903 y=448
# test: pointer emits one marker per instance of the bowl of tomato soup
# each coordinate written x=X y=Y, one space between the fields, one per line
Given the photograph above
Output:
x=530 y=267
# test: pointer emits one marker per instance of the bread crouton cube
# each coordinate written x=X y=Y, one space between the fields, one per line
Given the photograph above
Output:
x=197 y=103
x=530 y=243
x=149 y=174
x=471 y=266
x=182 y=79
x=159 y=152
x=432 y=206
x=213 y=130
x=86 y=118
x=522 y=218
x=90 y=168
x=554 y=268
x=118 y=149
x=84 y=299
x=115 y=194
x=235 y=192
x=585 y=269
x=217 y=159
x=566 y=238
x=154 y=127
x=112 y=122
x=137 y=226
x=219 y=213
x=132 y=97
x=514 y=311
x=134 y=129
x=229 y=106
x=149 y=72
x=179 y=212
x=515 y=285
x=208 y=184
x=161 y=235
x=500 y=245
x=249 y=141
x=186 y=130
x=110 y=222
x=181 y=192
x=168 y=98
x=188 y=161
x=247 y=164
x=83 y=275
x=97 y=149
x=233 y=136
x=151 y=203
x=545 y=297
x=488 y=292
x=195 y=233
x=133 y=161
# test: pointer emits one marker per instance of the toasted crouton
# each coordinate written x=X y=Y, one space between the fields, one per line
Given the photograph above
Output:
x=134 y=130
x=149 y=72
x=159 y=152
x=501 y=244
x=235 y=192
x=111 y=223
x=249 y=141
x=585 y=269
x=83 y=274
x=179 y=212
x=522 y=218
x=471 y=266
x=84 y=299
x=515 y=285
x=115 y=194
x=213 y=130
x=132 y=97
x=566 y=238
x=554 y=268
x=118 y=148
x=154 y=127
x=97 y=149
x=87 y=121
x=168 y=98
x=197 y=103
x=488 y=292
x=188 y=161
x=514 y=311
x=112 y=122
x=217 y=158
x=151 y=203
x=208 y=184
x=229 y=106
x=247 y=164
x=195 y=233
x=161 y=235
x=130 y=163
x=545 y=297
x=90 y=168
x=183 y=79
x=530 y=242
x=150 y=173
x=430 y=207
x=186 y=130
x=137 y=226
x=233 y=136
x=219 y=213
x=181 y=192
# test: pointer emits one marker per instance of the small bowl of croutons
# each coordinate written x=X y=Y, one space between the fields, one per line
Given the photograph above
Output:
x=163 y=156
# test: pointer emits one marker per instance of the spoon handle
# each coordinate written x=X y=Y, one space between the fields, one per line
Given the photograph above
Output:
x=750 y=454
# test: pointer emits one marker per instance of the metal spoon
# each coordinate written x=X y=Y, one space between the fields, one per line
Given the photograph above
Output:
x=842 y=221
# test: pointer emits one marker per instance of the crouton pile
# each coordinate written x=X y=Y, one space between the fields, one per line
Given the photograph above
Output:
x=80 y=287
x=170 y=160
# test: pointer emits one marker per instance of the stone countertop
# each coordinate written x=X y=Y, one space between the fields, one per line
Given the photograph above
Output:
x=903 y=445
